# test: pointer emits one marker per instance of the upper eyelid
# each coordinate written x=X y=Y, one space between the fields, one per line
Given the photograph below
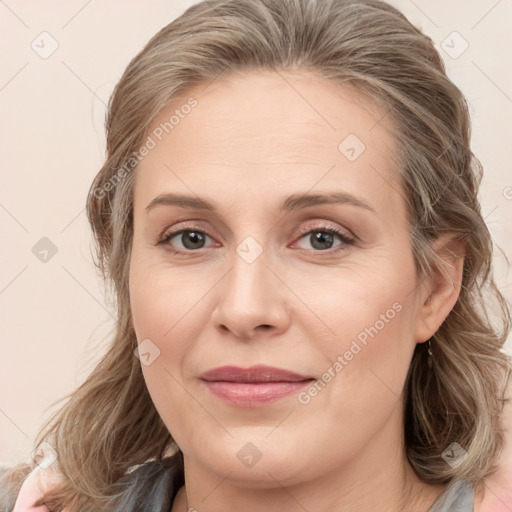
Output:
x=196 y=225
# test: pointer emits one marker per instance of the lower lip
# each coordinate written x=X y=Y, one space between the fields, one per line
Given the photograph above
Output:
x=260 y=394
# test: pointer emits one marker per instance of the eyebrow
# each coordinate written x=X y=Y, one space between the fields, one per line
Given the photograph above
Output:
x=294 y=202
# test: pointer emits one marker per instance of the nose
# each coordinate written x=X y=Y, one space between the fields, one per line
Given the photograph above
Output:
x=251 y=300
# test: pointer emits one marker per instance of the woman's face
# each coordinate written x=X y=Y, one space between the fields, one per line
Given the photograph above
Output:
x=245 y=268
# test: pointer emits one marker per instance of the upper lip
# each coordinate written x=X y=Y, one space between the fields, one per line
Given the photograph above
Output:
x=259 y=373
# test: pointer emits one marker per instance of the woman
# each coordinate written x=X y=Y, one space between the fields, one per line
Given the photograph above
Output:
x=288 y=213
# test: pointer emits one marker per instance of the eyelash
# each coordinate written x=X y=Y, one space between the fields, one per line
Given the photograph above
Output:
x=347 y=241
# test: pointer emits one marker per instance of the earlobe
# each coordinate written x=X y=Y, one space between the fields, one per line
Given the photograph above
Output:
x=441 y=290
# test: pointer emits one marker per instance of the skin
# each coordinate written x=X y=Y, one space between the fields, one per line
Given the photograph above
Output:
x=251 y=142
x=342 y=451
x=495 y=495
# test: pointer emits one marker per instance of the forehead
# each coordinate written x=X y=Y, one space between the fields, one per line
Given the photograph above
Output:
x=265 y=131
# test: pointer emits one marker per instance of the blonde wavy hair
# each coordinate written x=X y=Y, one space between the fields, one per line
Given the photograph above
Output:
x=109 y=425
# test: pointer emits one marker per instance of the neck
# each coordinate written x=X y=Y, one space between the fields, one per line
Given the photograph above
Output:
x=378 y=478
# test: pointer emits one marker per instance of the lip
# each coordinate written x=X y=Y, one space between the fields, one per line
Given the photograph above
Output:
x=257 y=386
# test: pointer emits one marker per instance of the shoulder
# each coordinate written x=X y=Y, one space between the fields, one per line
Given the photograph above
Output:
x=150 y=486
x=33 y=489
x=459 y=496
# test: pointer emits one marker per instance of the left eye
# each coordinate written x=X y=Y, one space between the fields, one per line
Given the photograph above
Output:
x=322 y=239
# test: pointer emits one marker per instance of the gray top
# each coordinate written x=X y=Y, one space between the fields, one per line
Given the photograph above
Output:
x=152 y=487
x=459 y=496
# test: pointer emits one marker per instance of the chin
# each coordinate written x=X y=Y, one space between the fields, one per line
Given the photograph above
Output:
x=253 y=460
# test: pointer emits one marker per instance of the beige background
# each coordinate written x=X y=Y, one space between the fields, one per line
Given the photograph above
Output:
x=53 y=315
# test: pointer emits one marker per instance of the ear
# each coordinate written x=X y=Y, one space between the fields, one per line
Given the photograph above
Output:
x=440 y=291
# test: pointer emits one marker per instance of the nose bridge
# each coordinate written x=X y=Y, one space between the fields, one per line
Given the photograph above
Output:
x=251 y=295
x=249 y=276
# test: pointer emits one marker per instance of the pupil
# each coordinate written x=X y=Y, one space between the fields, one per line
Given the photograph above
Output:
x=192 y=240
x=319 y=239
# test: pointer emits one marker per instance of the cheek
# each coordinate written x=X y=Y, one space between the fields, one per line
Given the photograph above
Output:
x=366 y=333
x=169 y=311
x=164 y=302
x=166 y=324
x=370 y=366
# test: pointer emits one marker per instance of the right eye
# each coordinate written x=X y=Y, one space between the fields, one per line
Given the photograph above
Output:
x=190 y=239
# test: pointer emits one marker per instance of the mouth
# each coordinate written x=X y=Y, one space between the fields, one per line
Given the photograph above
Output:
x=257 y=386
